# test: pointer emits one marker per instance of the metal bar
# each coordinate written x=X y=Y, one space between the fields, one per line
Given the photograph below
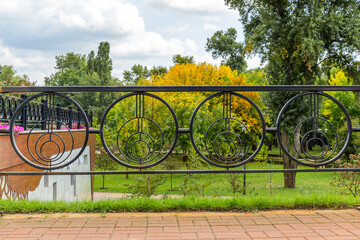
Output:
x=244 y=88
x=182 y=171
x=187 y=130
x=271 y=129
x=356 y=129
x=184 y=130
x=24 y=114
x=70 y=117
x=58 y=116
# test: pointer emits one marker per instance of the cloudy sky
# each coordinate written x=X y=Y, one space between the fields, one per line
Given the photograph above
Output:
x=147 y=32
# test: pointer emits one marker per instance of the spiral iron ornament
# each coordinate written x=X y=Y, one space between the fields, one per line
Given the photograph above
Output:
x=226 y=142
x=141 y=141
x=315 y=139
x=49 y=142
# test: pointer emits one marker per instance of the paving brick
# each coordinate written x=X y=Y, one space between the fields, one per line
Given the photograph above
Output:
x=225 y=235
x=137 y=236
x=296 y=225
x=196 y=229
x=257 y=234
x=67 y=237
x=341 y=232
x=105 y=230
x=273 y=234
x=49 y=237
x=171 y=229
x=205 y=235
x=188 y=236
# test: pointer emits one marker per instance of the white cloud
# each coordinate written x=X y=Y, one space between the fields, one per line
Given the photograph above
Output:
x=148 y=44
x=204 y=8
x=7 y=56
x=39 y=24
x=33 y=34
x=177 y=28
x=253 y=62
x=212 y=27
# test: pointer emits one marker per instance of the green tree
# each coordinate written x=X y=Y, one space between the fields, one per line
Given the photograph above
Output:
x=103 y=68
x=178 y=59
x=90 y=68
x=70 y=61
x=224 y=45
x=103 y=63
x=74 y=69
x=137 y=72
x=70 y=70
x=8 y=77
x=295 y=38
x=103 y=162
x=158 y=71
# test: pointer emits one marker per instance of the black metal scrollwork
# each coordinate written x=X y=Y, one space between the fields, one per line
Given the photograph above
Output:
x=227 y=141
x=8 y=106
x=134 y=138
x=315 y=139
x=50 y=142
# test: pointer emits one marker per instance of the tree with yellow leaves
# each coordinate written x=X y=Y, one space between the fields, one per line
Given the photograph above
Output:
x=184 y=103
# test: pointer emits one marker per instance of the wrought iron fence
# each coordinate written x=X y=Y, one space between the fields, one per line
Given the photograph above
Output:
x=227 y=129
x=37 y=111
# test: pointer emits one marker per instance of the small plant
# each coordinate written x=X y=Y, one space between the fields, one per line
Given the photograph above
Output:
x=102 y=161
x=171 y=164
x=192 y=184
x=146 y=185
x=349 y=180
x=261 y=157
x=236 y=183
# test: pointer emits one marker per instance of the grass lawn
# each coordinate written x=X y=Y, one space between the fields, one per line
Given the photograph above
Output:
x=258 y=184
x=265 y=191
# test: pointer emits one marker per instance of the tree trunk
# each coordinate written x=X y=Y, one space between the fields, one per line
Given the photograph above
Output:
x=103 y=187
x=148 y=186
x=171 y=182
x=289 y=177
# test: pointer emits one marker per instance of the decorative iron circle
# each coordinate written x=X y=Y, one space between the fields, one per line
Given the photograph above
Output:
x=318 y=142
x=50 y=148
x=141 y=140
x=227 y=140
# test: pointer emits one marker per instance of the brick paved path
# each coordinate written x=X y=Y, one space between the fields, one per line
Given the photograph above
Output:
x=323 y=224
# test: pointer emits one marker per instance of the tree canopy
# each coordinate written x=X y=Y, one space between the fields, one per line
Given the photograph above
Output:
x=224 y=45
x=8 y=77
x=138 y=71
x=294 y=38
x=179 y=59
x=75 y=69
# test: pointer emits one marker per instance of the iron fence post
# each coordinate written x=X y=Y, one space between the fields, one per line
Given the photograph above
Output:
x=91 y=119
x=43 y=114
x=24 y=113
x=58 y=116
x=78 y=120
x=70 y=117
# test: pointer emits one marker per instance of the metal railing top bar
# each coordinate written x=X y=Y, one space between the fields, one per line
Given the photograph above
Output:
x=243 y=88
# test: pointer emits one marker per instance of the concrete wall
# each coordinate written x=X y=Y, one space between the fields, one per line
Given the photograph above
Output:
x=58 y=187
x=67 y=188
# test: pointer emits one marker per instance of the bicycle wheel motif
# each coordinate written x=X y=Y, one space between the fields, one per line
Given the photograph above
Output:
x=315 y=139
x=137 y=128
x=50 y=143
x=223 y=133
